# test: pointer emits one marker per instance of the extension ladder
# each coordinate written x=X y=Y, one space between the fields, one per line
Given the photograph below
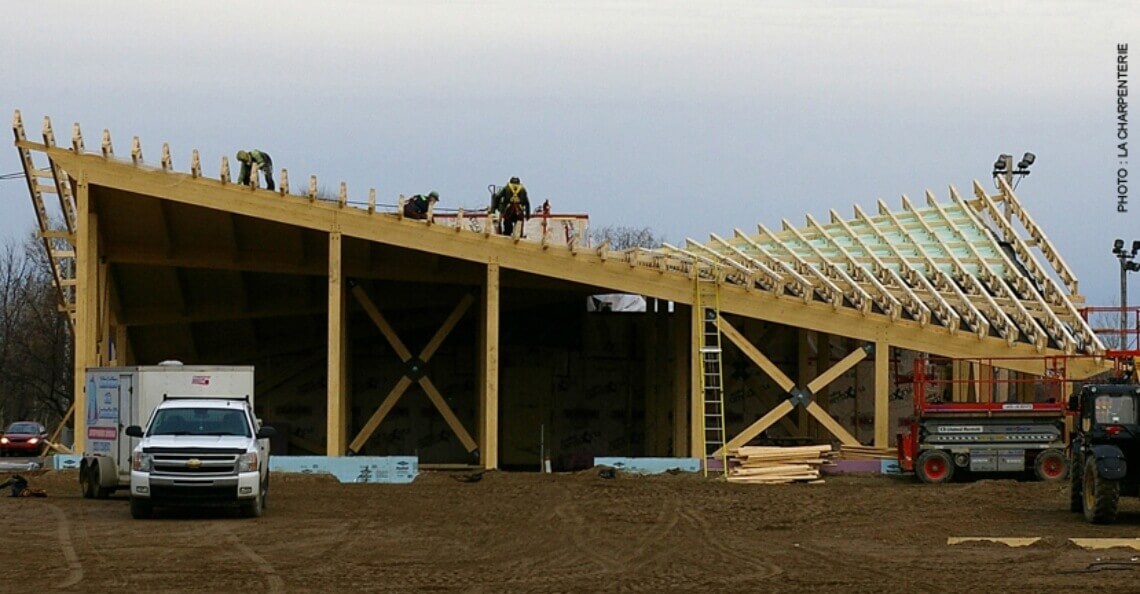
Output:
x=707 y=305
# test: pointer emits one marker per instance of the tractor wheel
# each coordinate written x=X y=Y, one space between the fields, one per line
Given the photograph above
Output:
x=1101 y=496
x=934 y=466
x=1050 y=465
x=1076 y=482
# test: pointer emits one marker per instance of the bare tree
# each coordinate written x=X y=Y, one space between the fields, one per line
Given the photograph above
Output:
x=35 y=341
x=621 y=238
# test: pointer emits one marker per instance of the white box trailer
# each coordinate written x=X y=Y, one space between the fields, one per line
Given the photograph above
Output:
x=118 y=397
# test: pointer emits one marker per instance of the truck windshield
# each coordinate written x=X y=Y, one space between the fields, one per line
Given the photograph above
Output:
x=199 y=421
x=1115 y=409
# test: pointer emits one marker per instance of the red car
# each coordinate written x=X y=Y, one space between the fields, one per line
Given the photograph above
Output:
x=23 y=438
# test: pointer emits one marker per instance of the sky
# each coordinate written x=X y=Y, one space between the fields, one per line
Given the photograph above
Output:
x=686 y=117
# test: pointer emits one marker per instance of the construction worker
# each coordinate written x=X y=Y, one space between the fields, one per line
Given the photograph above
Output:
x=512 y=205
x=418 y=206
x=248 y=159
x=20 y=488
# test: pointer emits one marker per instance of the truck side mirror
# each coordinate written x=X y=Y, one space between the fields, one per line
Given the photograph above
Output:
x=134 y=431
x=266 y=432
x=1074 y=403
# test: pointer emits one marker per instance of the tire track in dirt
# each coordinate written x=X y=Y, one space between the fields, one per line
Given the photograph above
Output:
x=83 y=535
x=748 y=568
x=63 y=533
x=860 y=564
x=274 y=581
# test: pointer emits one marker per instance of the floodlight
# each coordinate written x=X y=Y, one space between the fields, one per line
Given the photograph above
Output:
x=1004 y=163
x=1135 y=247
x=1026 y=161
x=1118 y=246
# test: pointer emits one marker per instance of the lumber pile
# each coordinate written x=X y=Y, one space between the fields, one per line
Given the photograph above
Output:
x=765 y=465
x=862 y=452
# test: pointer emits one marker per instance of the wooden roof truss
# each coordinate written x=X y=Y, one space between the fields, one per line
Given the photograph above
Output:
x=961 y=265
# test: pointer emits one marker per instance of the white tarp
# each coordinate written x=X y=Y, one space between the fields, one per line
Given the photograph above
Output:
x=615 y=302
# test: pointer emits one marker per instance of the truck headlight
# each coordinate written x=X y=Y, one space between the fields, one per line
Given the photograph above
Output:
x=248 y=462
x=142 y=462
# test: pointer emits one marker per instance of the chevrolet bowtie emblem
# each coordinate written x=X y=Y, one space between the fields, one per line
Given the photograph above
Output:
x=193 y=463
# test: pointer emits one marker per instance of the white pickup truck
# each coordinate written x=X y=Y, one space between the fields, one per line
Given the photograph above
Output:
x=200 y=451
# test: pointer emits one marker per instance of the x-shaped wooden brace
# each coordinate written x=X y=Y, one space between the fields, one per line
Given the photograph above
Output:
x=413 y=372
x=801 y=396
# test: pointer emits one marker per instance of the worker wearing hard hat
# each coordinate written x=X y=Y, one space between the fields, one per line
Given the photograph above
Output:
x=263 y=162
x=512 y=204
x=419 y=206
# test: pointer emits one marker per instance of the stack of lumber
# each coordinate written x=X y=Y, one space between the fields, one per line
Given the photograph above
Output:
x=765 y=465
x=848 y=452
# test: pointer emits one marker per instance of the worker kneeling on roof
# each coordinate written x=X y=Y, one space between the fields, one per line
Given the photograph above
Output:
x=419 y=206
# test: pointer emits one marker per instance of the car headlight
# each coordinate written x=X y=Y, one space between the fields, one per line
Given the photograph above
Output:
x=248 y=462
x=142 y=462
x=3 y=440
x=34 y=440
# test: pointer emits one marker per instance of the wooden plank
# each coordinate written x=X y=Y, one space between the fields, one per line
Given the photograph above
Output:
x=758 y=427
x=445 y=329
x=882 y=393
x=837 y=370
x=381 y=323
x=682 y=377
x=448 y=415
x=834 y=427
x=86 y=305
x=381 y=412
x=755 y=355
x=336 y=418
x=489 y=370
x=696 y=397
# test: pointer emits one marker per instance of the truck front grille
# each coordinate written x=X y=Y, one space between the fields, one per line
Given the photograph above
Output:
x=195 y=464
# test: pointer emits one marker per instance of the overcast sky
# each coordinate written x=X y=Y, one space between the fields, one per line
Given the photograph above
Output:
x=686 y=117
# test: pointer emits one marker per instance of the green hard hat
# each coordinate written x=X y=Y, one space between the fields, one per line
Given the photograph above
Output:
x=433 y=194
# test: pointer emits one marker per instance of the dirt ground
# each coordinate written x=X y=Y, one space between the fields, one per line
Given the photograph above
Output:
x=515 y=532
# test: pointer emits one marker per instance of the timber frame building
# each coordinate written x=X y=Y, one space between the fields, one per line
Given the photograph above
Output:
x=345 y=309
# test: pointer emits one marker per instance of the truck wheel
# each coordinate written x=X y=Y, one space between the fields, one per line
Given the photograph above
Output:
x=1076 y=481
x=1101 y=496
x=141 y=509
x=934 y=466
x=254 y=507
x=1050 y=465
x=85 y=485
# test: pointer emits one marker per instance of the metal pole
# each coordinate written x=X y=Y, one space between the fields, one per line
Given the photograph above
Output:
x=1123 y=303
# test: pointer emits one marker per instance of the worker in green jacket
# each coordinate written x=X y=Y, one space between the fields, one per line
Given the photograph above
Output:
x=419 y=206
x=264 y=163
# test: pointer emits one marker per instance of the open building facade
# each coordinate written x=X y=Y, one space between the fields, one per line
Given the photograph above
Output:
x=380 y=335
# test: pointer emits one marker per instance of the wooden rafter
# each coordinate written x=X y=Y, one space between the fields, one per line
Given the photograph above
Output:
x=828 y=290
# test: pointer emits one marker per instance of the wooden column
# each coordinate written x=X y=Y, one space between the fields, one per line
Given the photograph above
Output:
x=337 y=418
x=882 y=394
x=489 y=371
x=696 y=398
x=822 y=364
x=803 y=375
x=679 y=331
x=959 y=373
x=86 y=304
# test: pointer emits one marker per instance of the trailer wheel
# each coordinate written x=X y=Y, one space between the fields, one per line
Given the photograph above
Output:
x=1050 y=465
x=85 y=485
x=934 y=466
x=1076 y=481
x=1101 y=496
x=99 y=492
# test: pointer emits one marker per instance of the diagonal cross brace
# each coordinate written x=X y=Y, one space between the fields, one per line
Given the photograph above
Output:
x=413 y=371
x=797 y=395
